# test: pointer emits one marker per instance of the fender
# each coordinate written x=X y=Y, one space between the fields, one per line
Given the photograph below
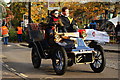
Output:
x=93 y=44
x=35 y=47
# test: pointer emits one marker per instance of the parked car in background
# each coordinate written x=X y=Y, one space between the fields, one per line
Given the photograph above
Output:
x=109 y=27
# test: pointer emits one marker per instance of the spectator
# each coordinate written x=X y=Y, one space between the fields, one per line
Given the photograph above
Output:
x=86 y=26
x=93 y=25
x=19 y=32
x=5 y=34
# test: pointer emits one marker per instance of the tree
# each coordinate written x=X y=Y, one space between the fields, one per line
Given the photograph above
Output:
x=3 y=8
x=116 y=9
x=18 y=9
x=38 y=11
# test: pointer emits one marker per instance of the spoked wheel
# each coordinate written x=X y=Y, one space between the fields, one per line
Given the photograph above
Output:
x=59 y=61
x=99 y=60
x=36 y=60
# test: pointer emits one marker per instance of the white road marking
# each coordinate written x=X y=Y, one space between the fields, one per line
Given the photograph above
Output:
x=2 y=56
x=6 y=65
x=21 y=46
x=49 y=78
x=12 y=69
x=25 y=77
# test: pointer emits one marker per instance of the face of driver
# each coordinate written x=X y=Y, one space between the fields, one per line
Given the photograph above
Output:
x=56 y=14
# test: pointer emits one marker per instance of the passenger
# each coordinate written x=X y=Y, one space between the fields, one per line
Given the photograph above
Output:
x=69 y=24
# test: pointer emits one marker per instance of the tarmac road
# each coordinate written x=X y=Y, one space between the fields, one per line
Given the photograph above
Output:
x=17 y=61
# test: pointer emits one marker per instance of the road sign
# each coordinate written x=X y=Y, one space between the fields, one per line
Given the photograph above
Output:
x=52 y=8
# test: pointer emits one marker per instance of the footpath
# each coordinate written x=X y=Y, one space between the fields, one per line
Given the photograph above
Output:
x=112 y=47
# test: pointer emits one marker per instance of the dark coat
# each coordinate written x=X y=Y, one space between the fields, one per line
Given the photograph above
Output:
x=68 y=27
x=52 y=21
x=117 y=28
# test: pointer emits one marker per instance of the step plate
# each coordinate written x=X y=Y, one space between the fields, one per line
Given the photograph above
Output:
x=84 y=58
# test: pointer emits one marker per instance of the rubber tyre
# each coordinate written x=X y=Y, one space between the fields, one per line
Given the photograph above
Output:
x=59 y=60
x=101 y=60
x=36 y=60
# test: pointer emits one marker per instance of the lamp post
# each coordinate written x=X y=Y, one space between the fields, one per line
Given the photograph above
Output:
x=106 y=12
x=48 y=8
x=29 y=12
x=2 y=10
x=28 y=6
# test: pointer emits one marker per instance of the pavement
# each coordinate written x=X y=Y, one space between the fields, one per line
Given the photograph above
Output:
x=6 y=73
x=111 y=47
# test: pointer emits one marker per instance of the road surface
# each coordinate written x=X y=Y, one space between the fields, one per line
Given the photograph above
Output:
x=17 y=64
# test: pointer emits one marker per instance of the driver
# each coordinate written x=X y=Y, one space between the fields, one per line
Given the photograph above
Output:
x=54 y=22
x=69 y=24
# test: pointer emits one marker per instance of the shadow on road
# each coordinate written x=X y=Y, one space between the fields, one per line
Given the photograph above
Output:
x=45 y=69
